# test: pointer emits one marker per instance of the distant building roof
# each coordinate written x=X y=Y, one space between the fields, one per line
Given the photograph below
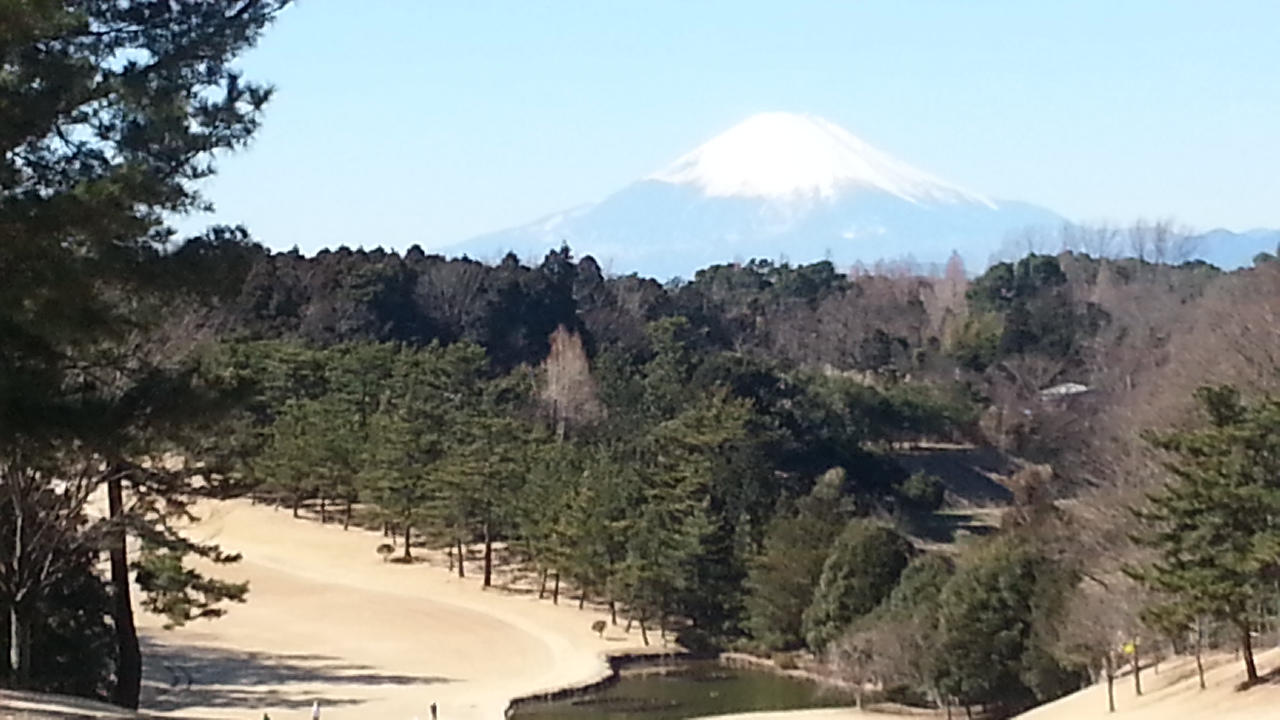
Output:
x=1063 y=390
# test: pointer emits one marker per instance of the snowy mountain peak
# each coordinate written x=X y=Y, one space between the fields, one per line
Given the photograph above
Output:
x=784 y=155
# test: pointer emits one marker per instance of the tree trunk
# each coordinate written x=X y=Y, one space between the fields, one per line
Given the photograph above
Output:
x=644 y=634
x=462 y=570
x=128 y=689
x=1137 y=670
x=297 y=502
x=19 y=639
x=1199 y=657
x=19 y=647
x=613 y=612
x=555 y=590
x=324 y=510
x=542 y=586
x=488 y=557
x=1111 y=682
x=408 y=554
x=582 y=598
x=1246 y=649
x=346 y=514
x=968 y=712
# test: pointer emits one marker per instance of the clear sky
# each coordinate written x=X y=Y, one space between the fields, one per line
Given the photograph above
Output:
x=429 y=121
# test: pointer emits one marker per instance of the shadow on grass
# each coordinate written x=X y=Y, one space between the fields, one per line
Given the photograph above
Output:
x=973 y=475
x=947 y=527
x=1269 y=678
x=179 y=677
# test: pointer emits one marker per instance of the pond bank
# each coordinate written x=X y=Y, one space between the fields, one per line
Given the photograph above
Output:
x=617 y=664
x=676 y=688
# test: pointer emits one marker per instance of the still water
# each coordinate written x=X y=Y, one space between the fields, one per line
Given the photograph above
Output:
x=692 y=690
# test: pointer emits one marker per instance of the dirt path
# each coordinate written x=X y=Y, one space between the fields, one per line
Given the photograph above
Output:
x=328 y=621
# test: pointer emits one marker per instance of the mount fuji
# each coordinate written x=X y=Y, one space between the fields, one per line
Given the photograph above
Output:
x=778 y=186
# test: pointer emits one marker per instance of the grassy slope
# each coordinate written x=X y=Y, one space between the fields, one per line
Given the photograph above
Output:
x=1174 y=694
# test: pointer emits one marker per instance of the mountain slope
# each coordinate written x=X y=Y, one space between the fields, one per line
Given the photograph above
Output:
x=1231 y=250
x=777 y=186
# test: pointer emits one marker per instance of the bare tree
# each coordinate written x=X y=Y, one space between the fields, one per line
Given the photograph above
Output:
x=1098 y=240
x=1162 y=242
x=1033 y=240
x=43 y=502
x=569 y=392
x=1102 y=623
x=856 y=659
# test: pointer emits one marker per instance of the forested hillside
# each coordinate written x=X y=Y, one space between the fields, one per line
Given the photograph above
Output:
x=712 y=459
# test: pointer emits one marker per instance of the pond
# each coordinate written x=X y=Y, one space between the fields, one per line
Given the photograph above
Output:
x=692 y=689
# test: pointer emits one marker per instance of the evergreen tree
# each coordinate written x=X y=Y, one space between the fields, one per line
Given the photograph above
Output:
x=413 y=433
x=783 y=576
x=994 y=621
x=110 y=114
x=861 y=571
x=1215 y=529
x=483 y=468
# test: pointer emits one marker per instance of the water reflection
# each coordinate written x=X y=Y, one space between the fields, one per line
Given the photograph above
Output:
x=692 y=690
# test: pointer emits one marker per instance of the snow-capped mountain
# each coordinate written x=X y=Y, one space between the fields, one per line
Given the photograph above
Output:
x=787 y=158
x=778 y=186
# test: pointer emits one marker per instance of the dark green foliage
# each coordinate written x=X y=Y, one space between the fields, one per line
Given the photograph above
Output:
x=178 y=593
x=111 y=114
x=921 y=493
x=976 y=343
x=783 y=576
x=1214 y=528
x=1004 y=286
x=919 y=411
x=906 y=625
x=862 y=569
x=921 y=584
x=1036 y=311
x=994 y=627
x=72 y=644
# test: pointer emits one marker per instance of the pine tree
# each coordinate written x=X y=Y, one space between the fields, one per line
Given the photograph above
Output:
x=861 y=570
x=782 y=578
x=1215 y=529
x=483 y=468
x=111 y=112
x=413 y=433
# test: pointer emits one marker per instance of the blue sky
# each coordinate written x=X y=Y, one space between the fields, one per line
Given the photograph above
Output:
x=423 y=121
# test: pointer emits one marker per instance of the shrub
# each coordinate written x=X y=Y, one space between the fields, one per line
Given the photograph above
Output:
x=921 y=493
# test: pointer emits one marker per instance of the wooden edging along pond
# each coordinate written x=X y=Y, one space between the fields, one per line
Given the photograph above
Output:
x=615 y=664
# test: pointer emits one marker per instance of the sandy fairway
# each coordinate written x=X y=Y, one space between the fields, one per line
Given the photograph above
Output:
x=327 y=620
x=1175 y=694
